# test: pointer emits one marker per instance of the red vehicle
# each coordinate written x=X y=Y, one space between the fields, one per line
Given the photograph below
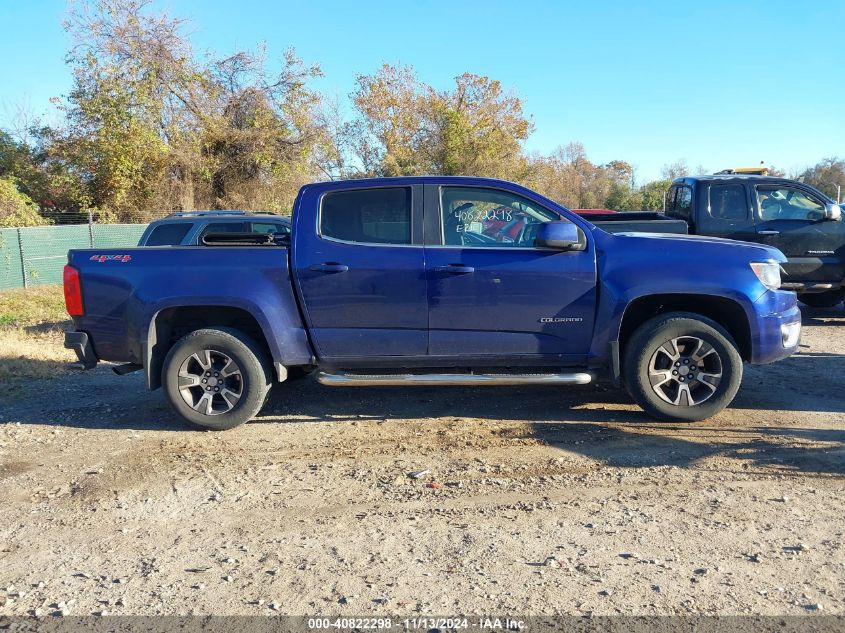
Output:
x=593 y=211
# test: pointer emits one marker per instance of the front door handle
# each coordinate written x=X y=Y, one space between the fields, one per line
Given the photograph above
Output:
x=455 y=269
x=768 y=232
x=330 y=267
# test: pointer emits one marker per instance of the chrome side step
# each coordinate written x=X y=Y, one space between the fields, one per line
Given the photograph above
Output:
x=436 y=380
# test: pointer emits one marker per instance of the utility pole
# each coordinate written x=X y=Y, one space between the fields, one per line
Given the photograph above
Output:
x=90 y=228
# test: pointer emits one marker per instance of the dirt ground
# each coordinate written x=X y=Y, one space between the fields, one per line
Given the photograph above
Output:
x=538 y=500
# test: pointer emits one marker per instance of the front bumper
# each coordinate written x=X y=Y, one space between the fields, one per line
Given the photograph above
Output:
x=812 y=287
x=80 y=343
x=777 y=335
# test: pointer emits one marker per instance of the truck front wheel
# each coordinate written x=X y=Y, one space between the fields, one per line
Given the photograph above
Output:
x=216 y=379
x=682 y=367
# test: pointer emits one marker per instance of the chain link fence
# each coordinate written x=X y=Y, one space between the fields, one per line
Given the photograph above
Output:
x=36 y=255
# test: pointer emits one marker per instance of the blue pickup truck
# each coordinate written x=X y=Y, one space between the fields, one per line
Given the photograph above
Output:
x=433 y=281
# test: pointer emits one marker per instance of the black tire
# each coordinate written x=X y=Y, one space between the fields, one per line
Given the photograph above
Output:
x=251 y=383
x=827 y=299
x=646 y=361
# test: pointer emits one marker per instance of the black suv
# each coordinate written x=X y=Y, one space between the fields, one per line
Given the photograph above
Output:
x=801 y=221
x=187 y=228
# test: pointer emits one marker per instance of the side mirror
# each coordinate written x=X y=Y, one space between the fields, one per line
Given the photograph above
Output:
x=562 y=235
x=832 y=212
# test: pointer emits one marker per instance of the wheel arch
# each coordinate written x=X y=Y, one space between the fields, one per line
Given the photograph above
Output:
x=727 y=312
x=171 y=323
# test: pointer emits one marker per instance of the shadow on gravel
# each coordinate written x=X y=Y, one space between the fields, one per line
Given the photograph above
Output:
x=91 y=400
x=807 y=381
x=786 y=449
x=609 y=432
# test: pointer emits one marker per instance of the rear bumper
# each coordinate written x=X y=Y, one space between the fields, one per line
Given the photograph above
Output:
x=80 y=343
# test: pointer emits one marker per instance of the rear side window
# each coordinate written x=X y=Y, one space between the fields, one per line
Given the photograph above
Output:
x=270 y=228
x=225 y=227
x=727 y=202
x=168 y=234
x=373 y=216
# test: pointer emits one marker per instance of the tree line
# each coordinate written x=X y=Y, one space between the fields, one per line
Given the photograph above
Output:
x=150 y=125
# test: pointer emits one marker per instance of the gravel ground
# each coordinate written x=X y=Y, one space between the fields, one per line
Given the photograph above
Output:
x=537 y=500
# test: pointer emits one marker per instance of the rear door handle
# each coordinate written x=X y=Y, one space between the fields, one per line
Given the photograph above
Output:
x=455 y=269
x=329 y=267
x=768 y=232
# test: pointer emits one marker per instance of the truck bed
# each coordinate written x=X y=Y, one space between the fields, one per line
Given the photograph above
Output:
x=636 y=221
x=123 y=291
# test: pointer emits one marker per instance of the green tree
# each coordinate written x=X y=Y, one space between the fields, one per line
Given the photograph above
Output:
x=388 y=134
x=47 y=182
x=827 y=176
x=16 y=208
x=405 y=127
x=477 y=129
x=654 y=195
x=623 y=198
x=151 y=125
x=110 y=138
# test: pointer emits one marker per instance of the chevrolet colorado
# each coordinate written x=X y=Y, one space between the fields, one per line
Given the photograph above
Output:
x=433 y=281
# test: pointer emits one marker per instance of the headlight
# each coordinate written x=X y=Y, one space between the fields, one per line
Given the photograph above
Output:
x=768 y=273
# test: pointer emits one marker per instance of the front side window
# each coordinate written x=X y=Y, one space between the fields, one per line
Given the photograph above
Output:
x=727 y=202
x=474 y=216
x=788 y=203
x=371 y=216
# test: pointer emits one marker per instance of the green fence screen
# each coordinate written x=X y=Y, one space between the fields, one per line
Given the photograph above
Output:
x=36 y=255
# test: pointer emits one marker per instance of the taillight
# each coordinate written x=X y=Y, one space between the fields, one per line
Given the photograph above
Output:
x=73 y=291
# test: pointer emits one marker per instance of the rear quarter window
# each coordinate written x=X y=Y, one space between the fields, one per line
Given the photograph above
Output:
x=225 y=227
x=168 y=234
x=728 y=202
x=270 y=228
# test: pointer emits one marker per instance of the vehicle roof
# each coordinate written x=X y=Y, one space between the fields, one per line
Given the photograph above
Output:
x=753 y=177
x=411 y=180
x=223 y=215
x=400 y=181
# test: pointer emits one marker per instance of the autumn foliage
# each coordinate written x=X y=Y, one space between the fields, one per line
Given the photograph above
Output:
x=152 y=126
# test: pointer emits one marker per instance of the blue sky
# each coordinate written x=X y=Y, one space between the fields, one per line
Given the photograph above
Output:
x=717 y=83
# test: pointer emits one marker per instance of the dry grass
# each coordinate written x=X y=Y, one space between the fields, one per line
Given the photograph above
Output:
x=32 y=325
x=32 y=307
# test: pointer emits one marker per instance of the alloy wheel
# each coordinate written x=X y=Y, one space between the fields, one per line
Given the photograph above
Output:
x=685 y=371
x=210 y=382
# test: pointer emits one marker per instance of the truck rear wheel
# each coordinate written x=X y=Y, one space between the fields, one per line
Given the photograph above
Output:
x=216 y=379
x=682 y=367
x=827 y=299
